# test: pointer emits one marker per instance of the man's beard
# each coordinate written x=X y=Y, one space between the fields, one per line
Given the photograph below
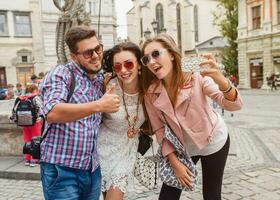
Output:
x=90 y=71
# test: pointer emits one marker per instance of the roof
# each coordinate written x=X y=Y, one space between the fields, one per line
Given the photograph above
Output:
x=215 y=42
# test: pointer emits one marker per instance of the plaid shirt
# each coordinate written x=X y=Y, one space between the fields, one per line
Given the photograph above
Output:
x=71 y=144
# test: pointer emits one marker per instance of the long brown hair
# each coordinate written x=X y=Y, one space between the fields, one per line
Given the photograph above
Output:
x=178 y=78
x=108 y=58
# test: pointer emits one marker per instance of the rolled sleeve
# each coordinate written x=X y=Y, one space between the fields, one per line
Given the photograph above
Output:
x=55 y=88
x=211 y=89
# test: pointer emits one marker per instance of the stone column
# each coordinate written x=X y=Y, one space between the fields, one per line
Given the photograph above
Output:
x=267 y=60
x=38 y=50
x=243 y=66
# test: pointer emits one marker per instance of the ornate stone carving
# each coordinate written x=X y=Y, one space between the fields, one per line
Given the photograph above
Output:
x=73 y=14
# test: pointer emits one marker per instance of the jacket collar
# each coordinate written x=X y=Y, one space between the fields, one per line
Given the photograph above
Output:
x=160 y=92
x=162 y=101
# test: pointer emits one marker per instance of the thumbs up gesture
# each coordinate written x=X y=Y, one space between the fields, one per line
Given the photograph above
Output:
x=110 y=102
x=111 y=90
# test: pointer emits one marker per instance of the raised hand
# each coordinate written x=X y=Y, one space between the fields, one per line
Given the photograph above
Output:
x=209 y=66
x=110 y=102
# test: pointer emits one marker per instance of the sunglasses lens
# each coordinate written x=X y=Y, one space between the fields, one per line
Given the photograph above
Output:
x=145 y=60
x=98 y=49
x=155 y=54
x=88 y=53
x=117 y=67
x=128 y=65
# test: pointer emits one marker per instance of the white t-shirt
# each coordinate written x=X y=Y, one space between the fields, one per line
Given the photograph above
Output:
x=218 y=140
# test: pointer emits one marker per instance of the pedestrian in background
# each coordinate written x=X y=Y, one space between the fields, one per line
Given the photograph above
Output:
x=70 y=166
x=118 y=149
x=35 y=130
x=10 y=92
x=273 y=79
x=19 y=90
x=182 y=98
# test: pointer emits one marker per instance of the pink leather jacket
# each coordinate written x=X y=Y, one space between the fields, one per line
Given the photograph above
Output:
x=192 y=111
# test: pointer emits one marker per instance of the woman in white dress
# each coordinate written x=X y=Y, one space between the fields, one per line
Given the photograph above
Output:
x=118 y=139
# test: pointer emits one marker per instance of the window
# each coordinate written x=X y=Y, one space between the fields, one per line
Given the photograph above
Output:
x=22 y=24
x=3 y=24
x=278 y=11
x=179 y=32
x=195 y=11
x=24 y=59
x=24 y=56
x=256 y=13
x=159 y=16
x=92 y=7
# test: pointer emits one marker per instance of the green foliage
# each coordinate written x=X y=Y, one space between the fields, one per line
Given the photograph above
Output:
x=226 y=18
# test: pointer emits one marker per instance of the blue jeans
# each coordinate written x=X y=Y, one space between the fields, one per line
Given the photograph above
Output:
x=63 y=183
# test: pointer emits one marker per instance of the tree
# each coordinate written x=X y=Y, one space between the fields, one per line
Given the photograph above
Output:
x=226 y=18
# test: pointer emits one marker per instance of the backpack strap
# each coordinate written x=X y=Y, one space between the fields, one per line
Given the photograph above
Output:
x=72 y=86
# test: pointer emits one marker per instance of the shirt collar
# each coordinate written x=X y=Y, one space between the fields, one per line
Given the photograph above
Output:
x=97 y=77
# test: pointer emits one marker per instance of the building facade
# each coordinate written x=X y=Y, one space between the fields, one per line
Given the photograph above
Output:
x=189 y=22
x=258 y=42
x=28 y=34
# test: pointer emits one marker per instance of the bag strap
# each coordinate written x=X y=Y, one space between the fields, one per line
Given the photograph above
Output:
x=71 y=91
x=182 y=145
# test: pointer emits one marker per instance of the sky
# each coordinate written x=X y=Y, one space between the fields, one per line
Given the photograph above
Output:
x=122 y=6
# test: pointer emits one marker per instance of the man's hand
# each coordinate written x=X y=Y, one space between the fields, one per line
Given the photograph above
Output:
x=110 y=102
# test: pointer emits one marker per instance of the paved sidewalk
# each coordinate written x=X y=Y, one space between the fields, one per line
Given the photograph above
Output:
x=14 y=168
x=252 y=171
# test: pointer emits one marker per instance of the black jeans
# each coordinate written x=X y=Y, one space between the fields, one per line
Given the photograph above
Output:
x=212 y=176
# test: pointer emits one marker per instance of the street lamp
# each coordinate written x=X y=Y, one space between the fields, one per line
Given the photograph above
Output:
x=147 y=34
x=154 y=24
x=163 y=30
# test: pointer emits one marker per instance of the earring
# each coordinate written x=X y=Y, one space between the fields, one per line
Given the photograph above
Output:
x=139 y=72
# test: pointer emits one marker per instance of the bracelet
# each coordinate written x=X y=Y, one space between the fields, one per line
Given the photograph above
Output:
x=228 y=89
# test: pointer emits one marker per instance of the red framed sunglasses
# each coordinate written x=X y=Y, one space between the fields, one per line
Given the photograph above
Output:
x=128 y=64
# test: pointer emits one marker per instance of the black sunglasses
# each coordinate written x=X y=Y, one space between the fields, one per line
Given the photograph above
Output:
x=155 y=55
x=89 y=53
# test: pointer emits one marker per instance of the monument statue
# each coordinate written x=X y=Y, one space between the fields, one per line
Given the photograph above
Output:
x=73 y=13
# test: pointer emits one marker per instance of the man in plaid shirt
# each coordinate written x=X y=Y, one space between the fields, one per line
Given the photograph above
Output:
x=69 y=161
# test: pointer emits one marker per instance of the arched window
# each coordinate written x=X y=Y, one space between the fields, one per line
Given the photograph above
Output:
x=179 y=31
x=159 y=16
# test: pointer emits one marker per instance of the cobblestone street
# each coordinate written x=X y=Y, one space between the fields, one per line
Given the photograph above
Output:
x=253 y=167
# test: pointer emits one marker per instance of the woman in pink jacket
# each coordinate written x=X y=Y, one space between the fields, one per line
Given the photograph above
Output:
x=182 y=98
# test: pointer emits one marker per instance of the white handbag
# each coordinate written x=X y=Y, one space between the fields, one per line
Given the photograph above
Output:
x=146 y=170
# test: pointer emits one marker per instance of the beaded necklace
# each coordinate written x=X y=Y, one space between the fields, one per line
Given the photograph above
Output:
x=131 y=132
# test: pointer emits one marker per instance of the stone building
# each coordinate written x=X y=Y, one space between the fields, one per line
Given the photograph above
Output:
x=189 y=22
x=258 y=41
x=28 y=32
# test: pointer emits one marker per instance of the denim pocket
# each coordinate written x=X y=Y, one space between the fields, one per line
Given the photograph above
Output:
x=50 y=175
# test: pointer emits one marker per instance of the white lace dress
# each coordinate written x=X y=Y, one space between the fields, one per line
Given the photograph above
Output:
x=117 y=151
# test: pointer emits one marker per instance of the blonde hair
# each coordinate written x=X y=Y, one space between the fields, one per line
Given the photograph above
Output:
x=178 y=79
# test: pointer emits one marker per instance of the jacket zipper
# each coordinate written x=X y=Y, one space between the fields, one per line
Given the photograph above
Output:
x=208 y=117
